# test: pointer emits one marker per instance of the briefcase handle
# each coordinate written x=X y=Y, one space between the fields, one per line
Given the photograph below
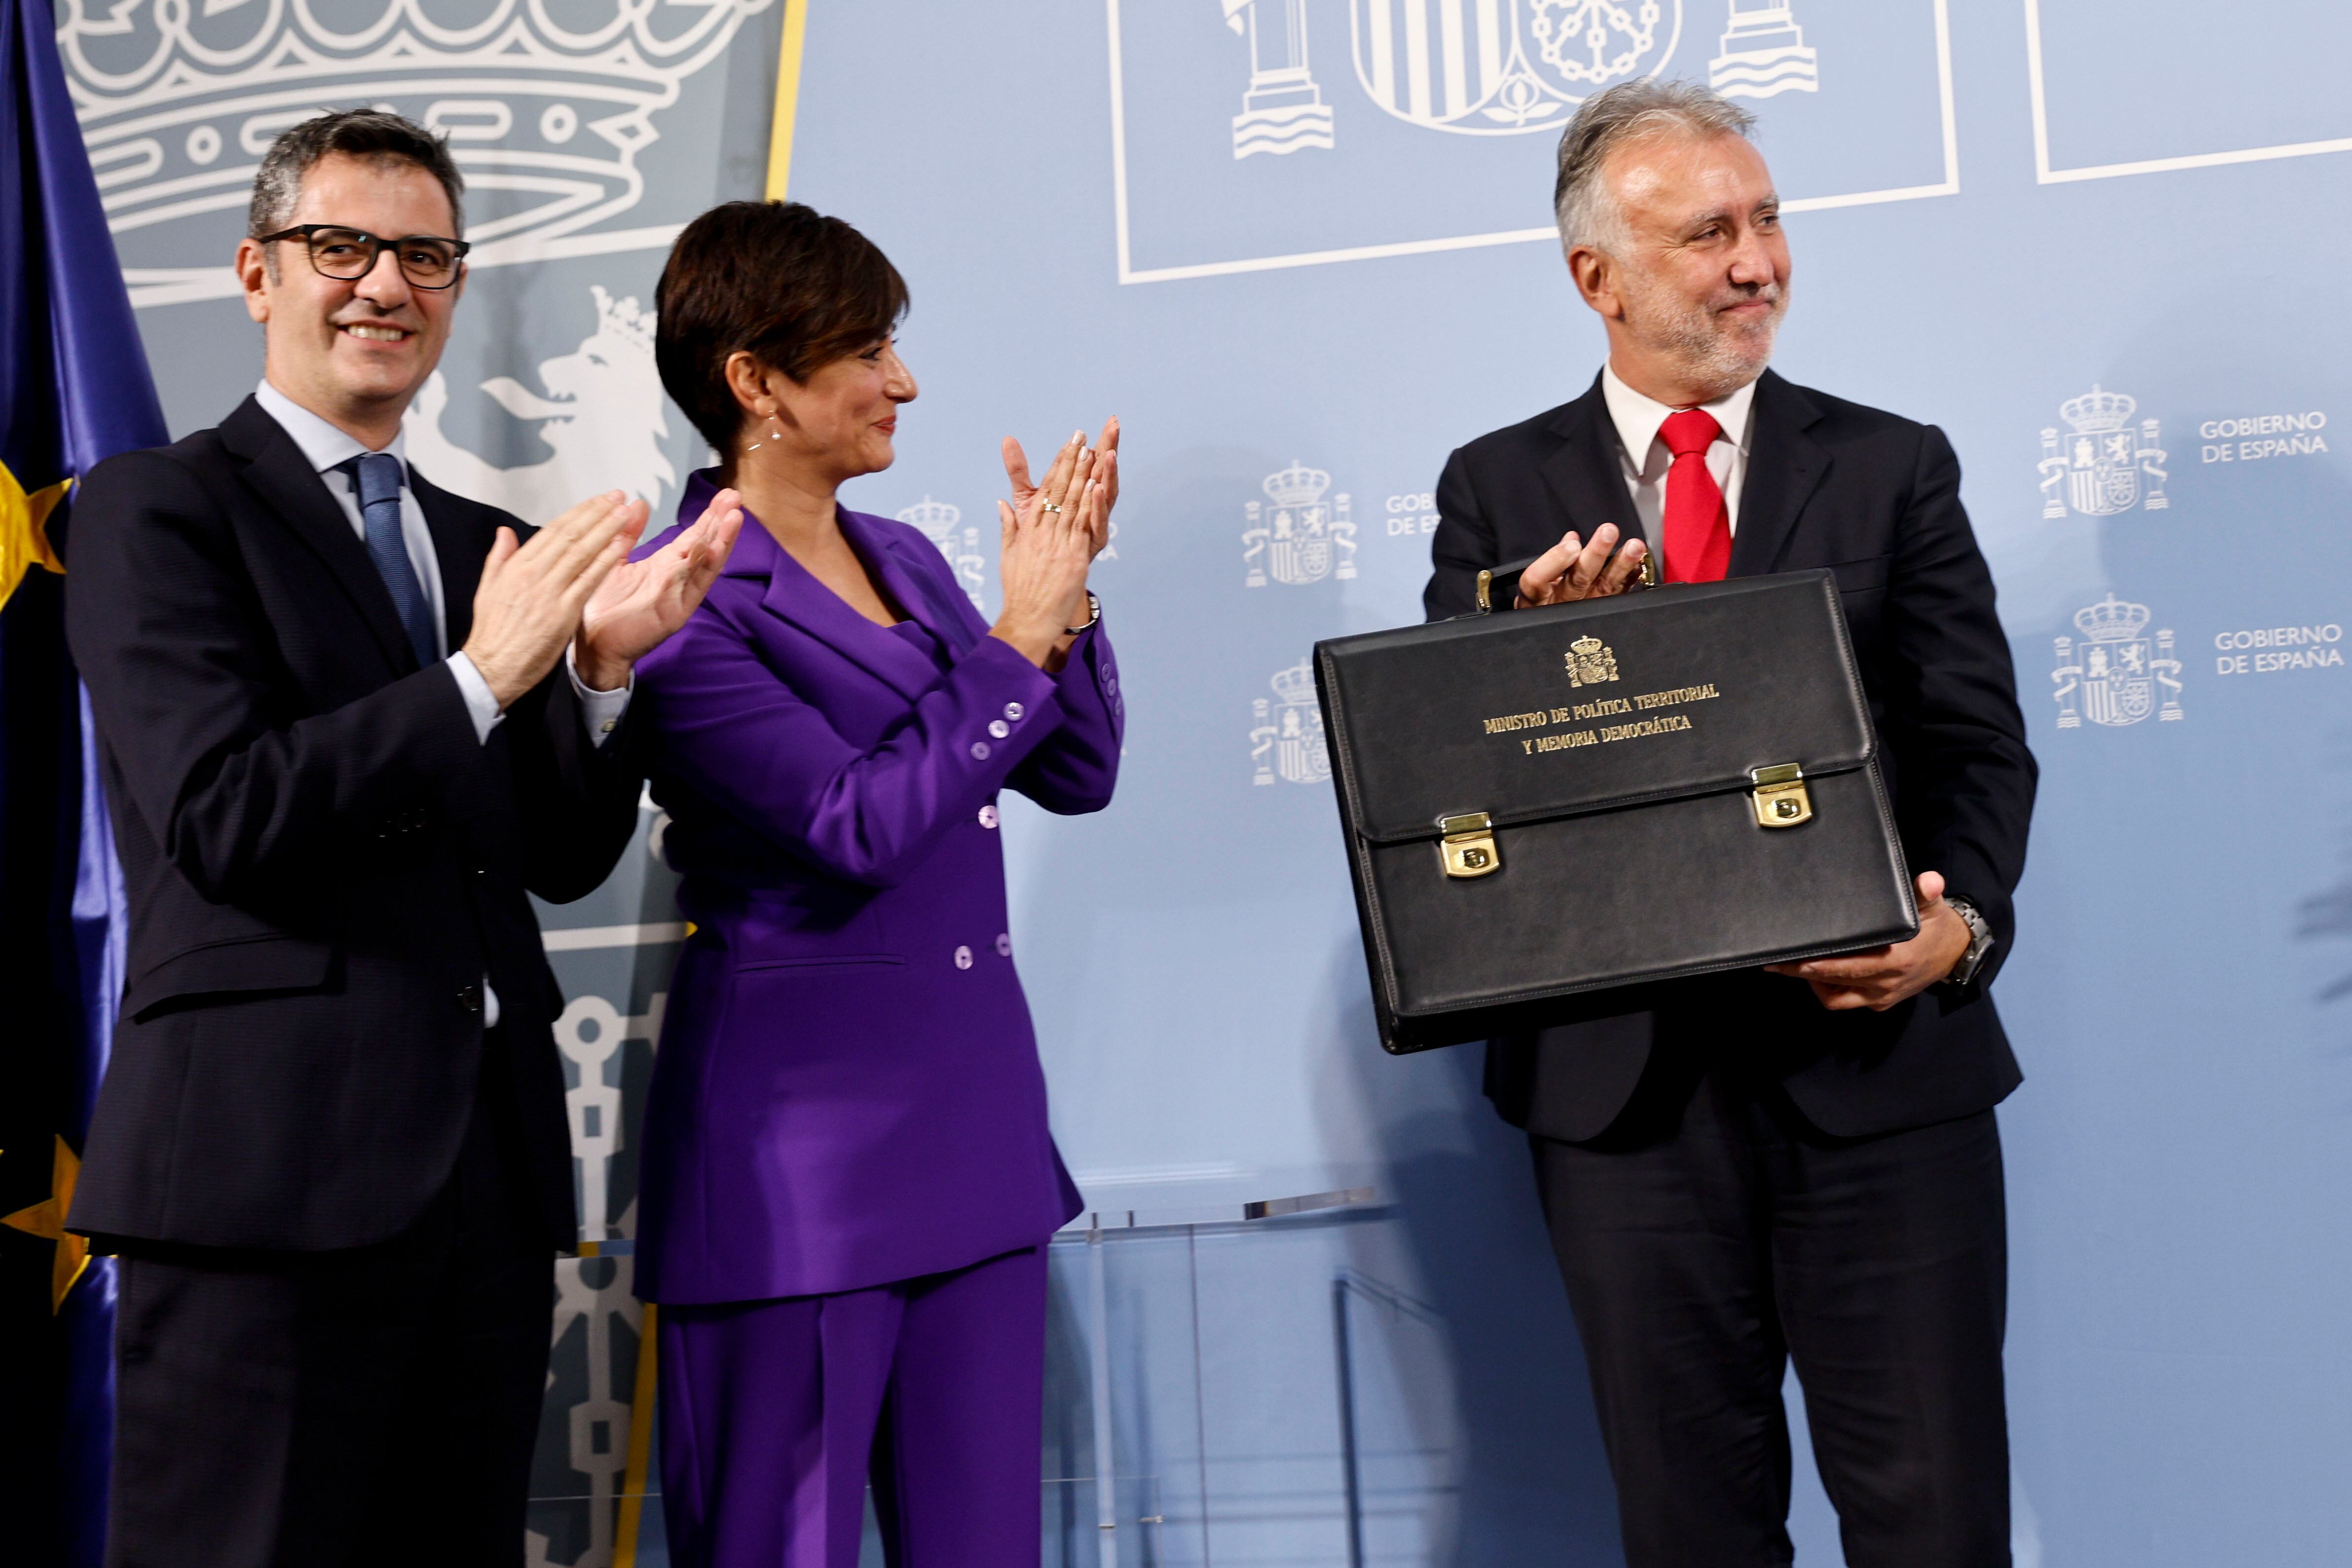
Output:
x=1510 y=570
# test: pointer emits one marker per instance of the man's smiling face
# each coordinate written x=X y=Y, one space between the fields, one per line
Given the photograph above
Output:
x=353 y=352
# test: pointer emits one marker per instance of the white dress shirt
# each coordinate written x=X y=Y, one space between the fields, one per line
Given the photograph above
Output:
x=1637 y=419
x=326 y=445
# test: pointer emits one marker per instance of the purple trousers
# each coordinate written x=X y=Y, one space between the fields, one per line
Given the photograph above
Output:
x=775 y=1413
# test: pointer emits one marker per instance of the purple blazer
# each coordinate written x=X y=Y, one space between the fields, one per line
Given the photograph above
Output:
x=848 y=1091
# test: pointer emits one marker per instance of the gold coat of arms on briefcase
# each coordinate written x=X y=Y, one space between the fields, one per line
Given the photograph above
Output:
x=1590 y=663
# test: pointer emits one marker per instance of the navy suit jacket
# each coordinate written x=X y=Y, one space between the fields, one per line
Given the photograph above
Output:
x=322 y=860
x=1875 y=498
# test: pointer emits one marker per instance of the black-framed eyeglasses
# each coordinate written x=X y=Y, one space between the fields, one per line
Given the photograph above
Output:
x=347 y=255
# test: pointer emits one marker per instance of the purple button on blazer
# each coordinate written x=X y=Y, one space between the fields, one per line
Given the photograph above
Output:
x=848 y=1091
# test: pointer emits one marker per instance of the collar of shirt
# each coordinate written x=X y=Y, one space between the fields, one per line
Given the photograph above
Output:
x=323 y=444
x=1637 y=419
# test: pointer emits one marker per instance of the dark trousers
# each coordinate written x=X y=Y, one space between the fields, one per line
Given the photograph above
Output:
x=1710 y=1237
x=322 y=1409
x=776 y=1413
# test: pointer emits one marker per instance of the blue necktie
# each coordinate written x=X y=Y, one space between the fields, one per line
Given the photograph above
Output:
x=377 y=476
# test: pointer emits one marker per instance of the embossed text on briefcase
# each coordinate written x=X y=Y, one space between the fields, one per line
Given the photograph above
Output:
x=1552 y=812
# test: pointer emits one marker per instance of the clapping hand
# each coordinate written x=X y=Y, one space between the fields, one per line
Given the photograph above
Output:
x=1572 y=570
x=529 y=602
x=1048 y=543
x=641 y=603
x=1016 y=473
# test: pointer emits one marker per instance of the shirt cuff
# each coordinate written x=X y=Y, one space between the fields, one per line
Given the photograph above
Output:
x=480 y=706
x=600 y=711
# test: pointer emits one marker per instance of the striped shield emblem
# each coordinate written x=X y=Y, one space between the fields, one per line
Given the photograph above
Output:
x=1504 y=68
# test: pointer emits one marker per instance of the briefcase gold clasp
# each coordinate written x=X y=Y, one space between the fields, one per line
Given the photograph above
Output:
x=1779 y=796
x=1468 y=846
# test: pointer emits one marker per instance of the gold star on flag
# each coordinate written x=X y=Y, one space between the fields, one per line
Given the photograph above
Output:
x=25 y=530
x=47 y=1220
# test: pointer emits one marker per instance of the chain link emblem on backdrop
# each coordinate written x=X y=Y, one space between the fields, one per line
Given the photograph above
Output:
x=2111 y=678
x=1295 y=536
x=593 y=1294
x=2096 y=467
x=1286 y=737
x=601 y=411
x=178 y=101
x=1509 y=68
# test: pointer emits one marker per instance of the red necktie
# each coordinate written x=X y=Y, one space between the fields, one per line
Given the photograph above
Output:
x=1698 y=524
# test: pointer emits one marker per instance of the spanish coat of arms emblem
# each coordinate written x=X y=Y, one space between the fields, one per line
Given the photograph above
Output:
x=1295 y=535
x=1286 y=740
x=2097 y=467
x=1591 y=662
x=2115 y=676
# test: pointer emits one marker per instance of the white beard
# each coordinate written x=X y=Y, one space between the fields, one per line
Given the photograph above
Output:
x=1710 y=354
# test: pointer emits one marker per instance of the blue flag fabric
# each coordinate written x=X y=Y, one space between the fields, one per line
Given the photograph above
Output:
x=74 y=389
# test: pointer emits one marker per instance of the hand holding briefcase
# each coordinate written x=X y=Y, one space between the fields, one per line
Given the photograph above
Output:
x=1553 y=811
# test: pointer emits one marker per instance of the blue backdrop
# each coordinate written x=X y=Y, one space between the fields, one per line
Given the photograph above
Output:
x=2098 y=241
x=1303 y=249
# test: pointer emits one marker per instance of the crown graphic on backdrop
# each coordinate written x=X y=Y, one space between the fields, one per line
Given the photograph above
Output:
x=624 y=319
x=179 y=98
x=1295 y=687
x=934 y=518
x=2111 y=620
x=1296 y=485
x=2096 y=411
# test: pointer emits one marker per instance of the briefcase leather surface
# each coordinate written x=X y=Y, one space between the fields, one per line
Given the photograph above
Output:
x=1553 y=814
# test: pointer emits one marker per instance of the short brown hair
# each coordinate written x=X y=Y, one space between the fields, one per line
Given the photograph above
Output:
x=373 y=134
x=779 y=281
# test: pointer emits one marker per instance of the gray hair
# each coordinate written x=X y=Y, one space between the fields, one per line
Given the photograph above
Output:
x=369 y=134
x=1582 y=203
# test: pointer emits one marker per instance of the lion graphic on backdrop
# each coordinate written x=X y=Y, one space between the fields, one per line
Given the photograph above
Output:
x=602 y=413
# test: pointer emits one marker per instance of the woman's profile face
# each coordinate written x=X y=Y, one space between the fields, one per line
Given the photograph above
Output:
x=845 y=414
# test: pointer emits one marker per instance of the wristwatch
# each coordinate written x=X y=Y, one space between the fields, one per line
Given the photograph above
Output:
x=1979 y=943
x=1094 y=613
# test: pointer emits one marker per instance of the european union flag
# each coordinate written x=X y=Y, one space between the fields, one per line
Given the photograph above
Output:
x=74 y=389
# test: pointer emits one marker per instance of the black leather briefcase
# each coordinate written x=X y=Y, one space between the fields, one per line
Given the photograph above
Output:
x=1552 y=813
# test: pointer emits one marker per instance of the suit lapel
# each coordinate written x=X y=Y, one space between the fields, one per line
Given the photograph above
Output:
x=459 y=550
x=1586 y=474
x=909 y=588
x=795 y=596
x=1785 y=466
x=286 y=483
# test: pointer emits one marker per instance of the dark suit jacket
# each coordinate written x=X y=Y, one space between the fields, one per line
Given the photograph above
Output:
x=322 y=861
x=1875 y=498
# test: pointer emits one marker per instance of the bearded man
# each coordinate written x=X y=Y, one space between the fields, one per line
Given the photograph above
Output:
x=1799 y=1163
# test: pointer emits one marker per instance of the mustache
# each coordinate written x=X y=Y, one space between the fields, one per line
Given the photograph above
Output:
x=1763 y=293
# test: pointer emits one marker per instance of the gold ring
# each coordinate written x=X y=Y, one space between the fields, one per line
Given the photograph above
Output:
x=1053 y=506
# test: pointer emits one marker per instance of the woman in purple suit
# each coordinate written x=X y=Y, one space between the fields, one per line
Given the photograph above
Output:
x=848 y=1182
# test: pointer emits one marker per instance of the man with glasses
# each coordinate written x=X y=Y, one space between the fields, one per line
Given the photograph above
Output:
x=348 y=719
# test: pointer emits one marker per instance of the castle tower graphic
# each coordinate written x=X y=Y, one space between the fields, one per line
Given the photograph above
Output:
x=1284 y=110
x=1763 y=53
